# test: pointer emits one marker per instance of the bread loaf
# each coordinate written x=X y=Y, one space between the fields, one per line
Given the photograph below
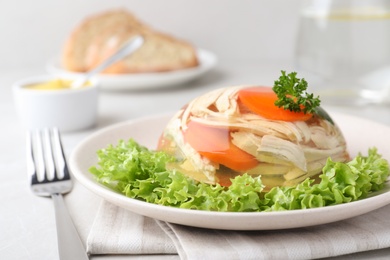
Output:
x=99 y=36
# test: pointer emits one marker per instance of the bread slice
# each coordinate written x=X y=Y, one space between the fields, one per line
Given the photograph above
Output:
x=101 y=35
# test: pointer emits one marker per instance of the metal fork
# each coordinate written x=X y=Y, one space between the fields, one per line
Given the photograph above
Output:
x=49 y=172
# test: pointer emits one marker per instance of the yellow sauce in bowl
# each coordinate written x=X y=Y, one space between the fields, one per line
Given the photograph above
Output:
x=56 y=84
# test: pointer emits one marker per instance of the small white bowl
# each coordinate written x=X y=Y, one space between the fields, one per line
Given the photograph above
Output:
x=66 y=109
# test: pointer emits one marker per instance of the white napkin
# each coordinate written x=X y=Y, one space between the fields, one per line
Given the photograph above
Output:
x=118 y=231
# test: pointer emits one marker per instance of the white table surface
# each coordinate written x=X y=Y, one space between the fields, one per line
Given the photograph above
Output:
x=27 y=224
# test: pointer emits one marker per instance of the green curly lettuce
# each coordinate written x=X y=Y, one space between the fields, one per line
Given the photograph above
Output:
x=140 y=173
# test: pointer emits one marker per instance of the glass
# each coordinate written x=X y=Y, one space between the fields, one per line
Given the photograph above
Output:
x=343 y=50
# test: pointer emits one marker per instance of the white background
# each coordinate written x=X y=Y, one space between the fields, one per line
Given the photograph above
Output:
x=32 y=32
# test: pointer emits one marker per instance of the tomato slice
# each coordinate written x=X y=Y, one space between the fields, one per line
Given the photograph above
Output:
x=215 y=144
x=261 y=100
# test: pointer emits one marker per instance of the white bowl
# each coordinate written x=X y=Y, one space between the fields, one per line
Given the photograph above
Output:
x=66 y=109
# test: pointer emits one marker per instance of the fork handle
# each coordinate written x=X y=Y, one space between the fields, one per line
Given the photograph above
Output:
x=70 y=246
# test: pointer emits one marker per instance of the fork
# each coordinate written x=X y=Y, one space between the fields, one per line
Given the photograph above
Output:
x=50 y=177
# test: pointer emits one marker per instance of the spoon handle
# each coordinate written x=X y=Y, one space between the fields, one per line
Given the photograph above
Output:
x=129 y=47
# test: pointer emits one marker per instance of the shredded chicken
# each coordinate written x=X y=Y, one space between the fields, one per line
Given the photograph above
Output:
x=292 y=151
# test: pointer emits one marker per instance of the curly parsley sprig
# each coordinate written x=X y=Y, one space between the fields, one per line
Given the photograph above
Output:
x=292 y=95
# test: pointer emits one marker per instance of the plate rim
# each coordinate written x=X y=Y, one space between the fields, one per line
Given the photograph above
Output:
x=348 y=209
x=208 y=61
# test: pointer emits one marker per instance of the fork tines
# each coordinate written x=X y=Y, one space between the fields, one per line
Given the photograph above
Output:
x=46 y=159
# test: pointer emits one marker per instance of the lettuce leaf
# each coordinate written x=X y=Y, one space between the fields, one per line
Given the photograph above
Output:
x=140 y=173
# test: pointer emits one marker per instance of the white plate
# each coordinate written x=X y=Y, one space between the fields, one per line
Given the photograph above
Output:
x=360 y=134
x=207 y=61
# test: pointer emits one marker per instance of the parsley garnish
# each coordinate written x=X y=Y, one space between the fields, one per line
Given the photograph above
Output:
x=292 y=95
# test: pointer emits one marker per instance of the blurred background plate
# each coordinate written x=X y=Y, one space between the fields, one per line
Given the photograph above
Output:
x=207 y=61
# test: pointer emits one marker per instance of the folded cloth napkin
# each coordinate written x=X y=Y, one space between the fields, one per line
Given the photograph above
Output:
x=118 y=231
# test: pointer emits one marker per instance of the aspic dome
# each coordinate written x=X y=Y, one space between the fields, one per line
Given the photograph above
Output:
x=236 y=130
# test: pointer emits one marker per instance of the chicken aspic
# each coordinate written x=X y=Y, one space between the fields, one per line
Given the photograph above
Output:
x=236 y=130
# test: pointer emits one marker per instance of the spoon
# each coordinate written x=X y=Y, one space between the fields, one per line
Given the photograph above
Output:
x=129 y=47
